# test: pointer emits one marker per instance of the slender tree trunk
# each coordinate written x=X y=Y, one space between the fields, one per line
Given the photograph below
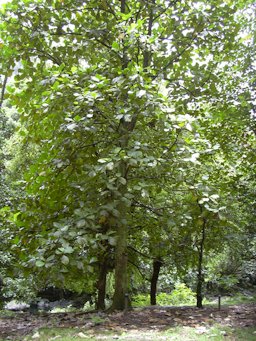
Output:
x=121 y=283
x=1 y=295
x=3 y=90
x=200 y=275
x=157 y=263
x=147 y=52
x=199 y=287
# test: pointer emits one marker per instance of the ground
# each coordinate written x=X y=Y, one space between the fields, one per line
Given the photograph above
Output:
x=137 y=323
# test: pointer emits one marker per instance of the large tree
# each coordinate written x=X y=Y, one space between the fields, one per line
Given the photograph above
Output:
x=103 y=89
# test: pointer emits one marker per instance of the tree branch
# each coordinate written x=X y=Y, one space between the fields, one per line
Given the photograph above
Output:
x=3 y=90
x=163 y=11
x=137 y=267
x=151 y=209
x=46 y=55
x=177 y=57
x=139 y=252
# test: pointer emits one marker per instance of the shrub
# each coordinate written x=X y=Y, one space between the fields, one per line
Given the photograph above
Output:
x=179 y=296
x=141 y=300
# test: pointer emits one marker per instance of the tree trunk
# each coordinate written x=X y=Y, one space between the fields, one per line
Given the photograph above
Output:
x=121 y=285
x=1 y=295
x=121 y=252
x=101 y=285
x=199 y=293
x=3 y=91
x=200 y=276
x=157 y=263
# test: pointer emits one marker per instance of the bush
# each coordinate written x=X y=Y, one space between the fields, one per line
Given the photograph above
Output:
x=179 y=296
x=141 y=300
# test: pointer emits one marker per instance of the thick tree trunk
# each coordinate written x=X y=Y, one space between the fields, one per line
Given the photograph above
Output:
x=157 y=263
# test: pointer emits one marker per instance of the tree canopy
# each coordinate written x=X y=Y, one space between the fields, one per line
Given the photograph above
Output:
x=136 y=131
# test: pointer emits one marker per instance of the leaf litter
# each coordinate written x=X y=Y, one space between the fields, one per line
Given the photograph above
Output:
x=146 y=320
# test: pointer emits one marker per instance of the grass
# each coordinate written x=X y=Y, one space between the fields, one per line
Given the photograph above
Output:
x=236 y=299
x=165 y=299
x=7 y=313
x=216 y=333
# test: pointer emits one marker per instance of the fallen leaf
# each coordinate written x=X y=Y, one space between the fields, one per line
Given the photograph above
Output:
x=201 y=330
x=36 y=336
x=55 y=338
x=81 y=335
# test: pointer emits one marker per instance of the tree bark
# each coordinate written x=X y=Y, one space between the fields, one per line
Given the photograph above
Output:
x=147 y=52
x=101 y=285
x=1 y=295
x=3 y=91
x=200 y=275
x=199 y=287
x=121 y=284
x=157 y=263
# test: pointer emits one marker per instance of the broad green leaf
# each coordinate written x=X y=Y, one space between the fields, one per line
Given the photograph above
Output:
x=40 y=263
x=64 y=260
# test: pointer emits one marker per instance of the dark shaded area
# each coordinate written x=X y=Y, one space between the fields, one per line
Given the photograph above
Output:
x=55 y=294
x=62 y=296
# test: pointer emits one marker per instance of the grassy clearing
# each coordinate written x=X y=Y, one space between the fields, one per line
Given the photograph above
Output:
x=217 y=333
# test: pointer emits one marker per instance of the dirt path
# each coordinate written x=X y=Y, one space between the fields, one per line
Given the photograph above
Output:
x=151 y=318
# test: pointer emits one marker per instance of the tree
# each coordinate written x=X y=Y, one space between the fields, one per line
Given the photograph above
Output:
x=103 y=89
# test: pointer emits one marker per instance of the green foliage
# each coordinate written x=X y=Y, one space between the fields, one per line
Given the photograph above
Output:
x=231 y=269
x=141 y=300
x=132 y=124
x=179 y=296
x=19 y=288
x=227 y=282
